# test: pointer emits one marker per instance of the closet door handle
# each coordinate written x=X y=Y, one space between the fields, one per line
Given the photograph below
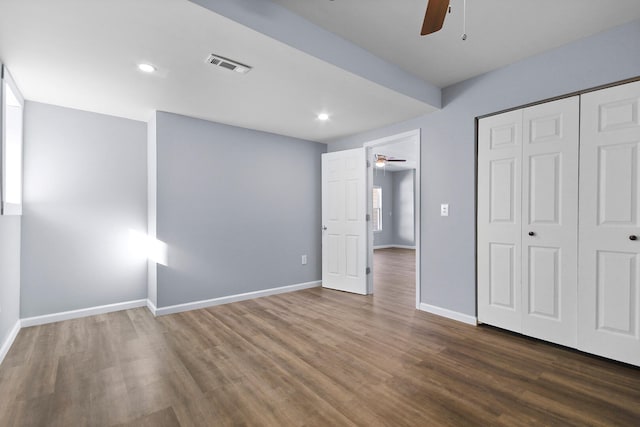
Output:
x=633 y=237
x=531 y=233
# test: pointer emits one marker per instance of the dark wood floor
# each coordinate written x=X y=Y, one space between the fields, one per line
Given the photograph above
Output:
x=308 y=358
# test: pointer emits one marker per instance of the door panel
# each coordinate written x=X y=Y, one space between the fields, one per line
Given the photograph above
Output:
x=609 y=298
x=501 y=276
x=499 y=220
x=353 y=263
x=549 y=231
x=502 y=191
x=344 y=221
x=545 y=128
x=618 y=185
x=544 y=191
x=544 y=282
x=616 y=287
x=618 y=115
x=332 y=242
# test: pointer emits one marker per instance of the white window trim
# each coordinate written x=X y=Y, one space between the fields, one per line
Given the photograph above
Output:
x=5 y=207
x=381 y=213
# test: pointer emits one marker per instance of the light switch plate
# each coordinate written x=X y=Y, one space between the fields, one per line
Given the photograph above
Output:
x=304 y=259
x=444 y=209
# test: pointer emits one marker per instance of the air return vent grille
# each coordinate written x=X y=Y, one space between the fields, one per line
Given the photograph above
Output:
x=229 y=64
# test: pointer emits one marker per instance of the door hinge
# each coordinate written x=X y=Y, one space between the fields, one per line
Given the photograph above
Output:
x=368 y=164
x=367 y=217
x=368 y=270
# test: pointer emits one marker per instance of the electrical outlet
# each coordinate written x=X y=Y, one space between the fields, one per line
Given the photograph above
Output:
x=444 y=209
x=304 y=260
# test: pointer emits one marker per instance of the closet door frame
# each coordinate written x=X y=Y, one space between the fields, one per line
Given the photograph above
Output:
x=478 y=204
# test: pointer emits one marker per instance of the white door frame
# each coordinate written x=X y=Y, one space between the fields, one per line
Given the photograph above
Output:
x=387 y=141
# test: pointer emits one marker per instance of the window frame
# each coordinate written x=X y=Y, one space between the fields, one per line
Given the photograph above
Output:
x=373 y=209
x=10 y=207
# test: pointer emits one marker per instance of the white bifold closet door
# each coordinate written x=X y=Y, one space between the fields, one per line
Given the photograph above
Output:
x=550 y=220
x=609 y=294
x=499 y=220
x=527 y=220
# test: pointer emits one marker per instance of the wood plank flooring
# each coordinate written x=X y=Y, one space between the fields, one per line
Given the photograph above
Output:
x=310 y=358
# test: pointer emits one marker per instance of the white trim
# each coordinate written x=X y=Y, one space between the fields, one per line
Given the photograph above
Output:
x=417 y=217
x=10 y=208
x=8 y=342
x=152 y=199
x=450 y=314
x=160 y=311
x=394 y=246
x=393 y=138
x=417 y=135
x=152 y=307
x=83 y=312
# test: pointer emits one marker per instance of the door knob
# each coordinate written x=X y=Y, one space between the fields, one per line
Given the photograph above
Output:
x=633 y=237
x=324 y=227
x=531 y=233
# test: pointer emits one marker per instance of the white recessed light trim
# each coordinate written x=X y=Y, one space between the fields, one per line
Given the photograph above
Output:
x=323 y=116
x=146 y=68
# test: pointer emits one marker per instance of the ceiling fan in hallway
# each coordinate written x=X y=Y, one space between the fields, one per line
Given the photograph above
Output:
x=381 y=160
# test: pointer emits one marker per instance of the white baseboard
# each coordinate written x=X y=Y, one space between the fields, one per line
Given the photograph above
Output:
x=152 y=307
x=83 y=312
x=6 y=345
x=450 y=314
x=233 y=298
x=394 y=246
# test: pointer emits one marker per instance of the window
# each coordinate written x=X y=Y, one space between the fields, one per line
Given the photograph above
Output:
x=11 y=164
x=377 y=209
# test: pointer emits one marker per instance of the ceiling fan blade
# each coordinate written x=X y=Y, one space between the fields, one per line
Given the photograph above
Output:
x=434 y=18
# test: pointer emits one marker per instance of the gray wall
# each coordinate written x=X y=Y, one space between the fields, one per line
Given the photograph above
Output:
x=9 y=274
x=403 y=208
x=236 y=207
x=397 y=208
x=448 y=147
x=84 y=189
x=384 y=180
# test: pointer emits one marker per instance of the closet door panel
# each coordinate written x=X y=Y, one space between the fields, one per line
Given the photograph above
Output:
x=499 y=220
x=609 y=234
x=550 y=216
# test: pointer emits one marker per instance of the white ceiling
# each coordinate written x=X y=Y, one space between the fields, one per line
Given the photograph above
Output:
x=500 y=32
x=83 y=54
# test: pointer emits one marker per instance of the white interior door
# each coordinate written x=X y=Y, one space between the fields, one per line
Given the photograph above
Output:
x=609 y=275
x=344 y=225
x=499 y=220
x=550 y=221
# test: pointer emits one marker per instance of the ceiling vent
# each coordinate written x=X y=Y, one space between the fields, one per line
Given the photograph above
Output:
x=229 y=64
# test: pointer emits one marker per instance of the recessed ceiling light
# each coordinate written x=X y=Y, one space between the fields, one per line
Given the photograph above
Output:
x=146 y=68
x=323 y=116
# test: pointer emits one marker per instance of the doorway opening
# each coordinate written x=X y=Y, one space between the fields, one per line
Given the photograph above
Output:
x=393 y=206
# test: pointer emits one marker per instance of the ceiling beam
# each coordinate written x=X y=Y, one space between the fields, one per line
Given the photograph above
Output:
x=287 y=27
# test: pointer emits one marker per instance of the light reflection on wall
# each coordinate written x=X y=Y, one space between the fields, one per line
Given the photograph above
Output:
x=142 y=245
